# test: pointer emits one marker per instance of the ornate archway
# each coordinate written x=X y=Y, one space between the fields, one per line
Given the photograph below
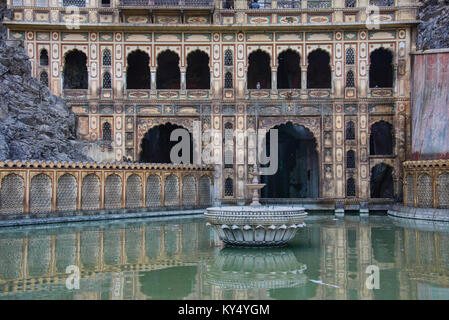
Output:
x=154 y=142
x=298 y=173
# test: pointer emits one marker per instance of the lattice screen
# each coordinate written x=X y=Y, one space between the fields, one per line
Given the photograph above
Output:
x=90 y=249
x=425 y=191
x=134 y=192
x=40 y=194
x=410 y=191
x=67 y=193
x=188 y=190
x=153 y=191
x=12 y=255
x=133 y=244
x=204 y=190
x=112 y=246
x=107 y=59
x=113 y=192
x=75 y=3
x=39 y=255
x=171 y=240
x=443 y=190
x=65 y=251
x=153 y=241
x=171 y=191
x=11 y=194
x=90 y=196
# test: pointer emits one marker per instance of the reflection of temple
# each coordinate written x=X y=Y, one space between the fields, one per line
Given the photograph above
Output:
x=178 y=260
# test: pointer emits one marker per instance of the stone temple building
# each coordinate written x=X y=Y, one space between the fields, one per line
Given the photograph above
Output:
x=333 y=76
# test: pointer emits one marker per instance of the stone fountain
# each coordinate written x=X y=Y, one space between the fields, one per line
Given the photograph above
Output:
x=256 y=225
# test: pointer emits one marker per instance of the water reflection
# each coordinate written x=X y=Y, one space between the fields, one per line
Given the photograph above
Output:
x=256 y=268
x=182 y=259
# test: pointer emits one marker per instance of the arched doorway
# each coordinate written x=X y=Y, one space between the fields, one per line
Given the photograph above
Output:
x=138 y=75
x=156 y=144
x=75 y=70
x=381 y=138
x=198 y=71
x=259 y=70
x=319 y=75
x=289 y=71
x=381 y=183
x=381 y=69
x=168 y=74
x=298 y=171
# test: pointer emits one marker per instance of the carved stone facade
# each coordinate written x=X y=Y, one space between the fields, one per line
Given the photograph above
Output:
x=228 y=35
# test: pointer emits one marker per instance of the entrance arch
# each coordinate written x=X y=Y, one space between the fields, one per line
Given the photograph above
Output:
x=298 y=172
x=156 y=144
x=381 y=183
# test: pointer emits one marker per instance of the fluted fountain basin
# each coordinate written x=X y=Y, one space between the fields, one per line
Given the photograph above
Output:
x=256 y=268
x=256 y=225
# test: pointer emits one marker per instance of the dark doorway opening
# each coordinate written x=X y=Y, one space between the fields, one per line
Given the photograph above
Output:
x=138 y=74
x=381 y=139
x=259 y=70
x=289 y=70
x=156 y=144
x=298 y=172
x=198 y=71
x=319 y=70
x=168 y=75
x=75 y=70
x=382 y=181
x=43 y=58
x=381 y=69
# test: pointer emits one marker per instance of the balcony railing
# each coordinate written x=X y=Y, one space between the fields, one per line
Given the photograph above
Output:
x=314 y=4
x=382 y=3
x=167 y=3
x=289 y=4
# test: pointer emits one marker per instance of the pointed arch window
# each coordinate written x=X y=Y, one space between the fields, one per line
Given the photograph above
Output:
x=350 y=56
x=350 y=159
x=350 y=187
x=107 y=81
x=107 y=131
x=350 y=131
x=228 y=58
x=228 y=81
x=107 y=58
x=350 y=81
x=43 y=58
x=229 y=187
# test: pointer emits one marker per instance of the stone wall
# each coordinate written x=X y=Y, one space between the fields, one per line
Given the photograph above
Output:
x=34 y=123
x=432 y=32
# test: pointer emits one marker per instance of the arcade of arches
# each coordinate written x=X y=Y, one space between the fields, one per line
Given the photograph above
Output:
x=259 y=76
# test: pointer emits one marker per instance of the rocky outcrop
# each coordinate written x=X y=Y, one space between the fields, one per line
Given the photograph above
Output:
x=34 y=124
x=432 y=32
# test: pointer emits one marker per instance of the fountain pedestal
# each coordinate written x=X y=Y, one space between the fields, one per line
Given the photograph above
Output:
x=256 y=225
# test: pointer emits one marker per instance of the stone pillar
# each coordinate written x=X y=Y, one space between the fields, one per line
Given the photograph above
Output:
x=153 y=78
x=274 y=86
x=183 y=79
x=304 y=77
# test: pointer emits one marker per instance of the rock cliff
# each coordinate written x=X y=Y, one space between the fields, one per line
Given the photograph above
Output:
x=34 y=124
x=433 y=31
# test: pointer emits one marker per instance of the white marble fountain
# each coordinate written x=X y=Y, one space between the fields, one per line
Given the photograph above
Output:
x=256 y=225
